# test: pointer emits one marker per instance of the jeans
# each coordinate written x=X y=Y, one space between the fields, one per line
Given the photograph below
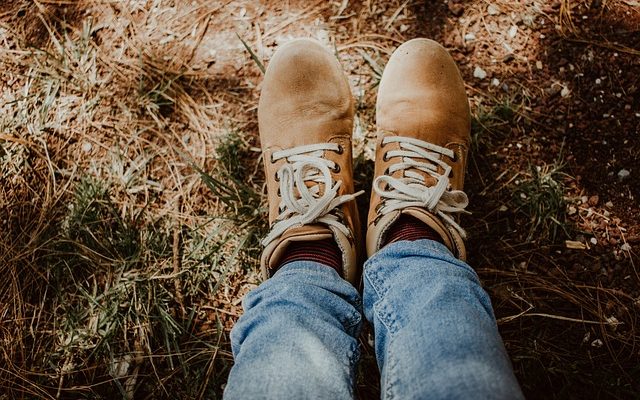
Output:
x=435 y=333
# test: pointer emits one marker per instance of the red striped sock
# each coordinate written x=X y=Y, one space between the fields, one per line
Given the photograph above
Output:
x=324 y=251
x=409 y=228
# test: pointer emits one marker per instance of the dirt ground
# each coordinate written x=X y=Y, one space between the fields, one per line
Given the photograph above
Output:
x=132 y=198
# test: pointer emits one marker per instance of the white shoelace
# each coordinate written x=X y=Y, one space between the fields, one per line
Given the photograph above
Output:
x=301 y=204
x=411 y=190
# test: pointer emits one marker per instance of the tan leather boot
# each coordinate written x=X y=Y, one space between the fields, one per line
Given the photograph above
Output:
x=305 y=118
x=423 y=124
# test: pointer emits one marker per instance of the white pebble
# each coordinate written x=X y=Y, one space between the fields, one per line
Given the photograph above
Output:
x=493 y=10
x=513 y=31
x=565 y=92
x=479 y=73
x=469 y=37
x=623 y=174
x=594 y=240
x=625 y=247
x=495 y=82
x=86 y=147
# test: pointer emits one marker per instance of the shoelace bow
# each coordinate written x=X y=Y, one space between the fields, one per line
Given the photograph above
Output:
x=303 y=204
x=411 y=189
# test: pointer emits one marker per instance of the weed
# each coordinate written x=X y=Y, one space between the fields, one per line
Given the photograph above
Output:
x=488 y=123
x=253 y=55
x=237 y=182
x=540 y=196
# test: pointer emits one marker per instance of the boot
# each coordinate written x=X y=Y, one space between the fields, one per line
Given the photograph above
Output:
x=305 y=117
x=423 y=121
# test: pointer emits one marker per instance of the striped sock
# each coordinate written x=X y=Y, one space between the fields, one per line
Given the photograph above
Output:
x=409 y=228
x=324 y=251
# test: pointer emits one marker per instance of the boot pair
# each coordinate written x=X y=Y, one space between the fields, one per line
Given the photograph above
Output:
x=305 y=117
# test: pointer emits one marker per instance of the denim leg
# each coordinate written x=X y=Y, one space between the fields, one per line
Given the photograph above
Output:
x=435 y=333
x=298 y=337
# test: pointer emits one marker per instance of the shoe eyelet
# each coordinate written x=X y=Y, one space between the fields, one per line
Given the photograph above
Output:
x=386 y=171
x=271 y=159
x=340 y=149
x=276 y=178
x=278 y=193
x=455 y=157
x=385 y=158
x=336 y=169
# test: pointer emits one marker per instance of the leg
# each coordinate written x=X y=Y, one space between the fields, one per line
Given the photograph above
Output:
x=436 y=336
x=297 y=338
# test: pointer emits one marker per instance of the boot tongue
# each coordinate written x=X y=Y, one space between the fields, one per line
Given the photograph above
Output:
x=297 y=234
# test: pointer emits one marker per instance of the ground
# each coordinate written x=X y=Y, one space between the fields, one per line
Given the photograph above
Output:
x=132 y=197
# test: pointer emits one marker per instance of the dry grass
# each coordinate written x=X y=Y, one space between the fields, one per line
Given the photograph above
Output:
x=131 y=193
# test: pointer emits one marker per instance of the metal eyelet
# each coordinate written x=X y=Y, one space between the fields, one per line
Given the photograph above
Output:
x=340 y=149
x=385 y=158
x=336 y=169
x=271 y=159
x=278 y=193
x=455 y=157
x=276 y=178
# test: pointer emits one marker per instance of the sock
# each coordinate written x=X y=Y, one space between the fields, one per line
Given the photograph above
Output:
x=324 y=251
x=409 y=228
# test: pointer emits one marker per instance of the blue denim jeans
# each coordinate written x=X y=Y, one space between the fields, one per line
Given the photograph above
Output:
x=435 y=332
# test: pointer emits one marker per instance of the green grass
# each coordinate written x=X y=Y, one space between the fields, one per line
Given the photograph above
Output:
x=540 y=196
x=237 y=182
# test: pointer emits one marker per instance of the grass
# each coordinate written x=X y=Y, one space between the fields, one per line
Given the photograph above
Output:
x=132 y=200
x=540 y=195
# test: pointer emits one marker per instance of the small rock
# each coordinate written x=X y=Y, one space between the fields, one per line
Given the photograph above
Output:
x=469 y=37
x=455 y=9
x=513 y=31
x=495 y=82
x=479 y=73
x=493 y=9
x=623 y=174
x=86 y=147
x=572 y=210
x=539 y=64
x=597 y=343
x=608 y=204
x=584 y=199
x=503 y=208
x=625 y=247
x=593 y=241
x=565 y=92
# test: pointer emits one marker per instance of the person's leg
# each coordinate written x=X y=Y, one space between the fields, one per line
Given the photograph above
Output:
x=297 y=338
x=435 y=333
x=436 y=336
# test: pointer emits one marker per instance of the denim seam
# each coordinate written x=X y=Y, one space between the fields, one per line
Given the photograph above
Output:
x=381 y=305
x=390 y=377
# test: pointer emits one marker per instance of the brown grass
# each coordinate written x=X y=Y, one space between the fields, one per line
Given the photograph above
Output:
x=128 y=228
